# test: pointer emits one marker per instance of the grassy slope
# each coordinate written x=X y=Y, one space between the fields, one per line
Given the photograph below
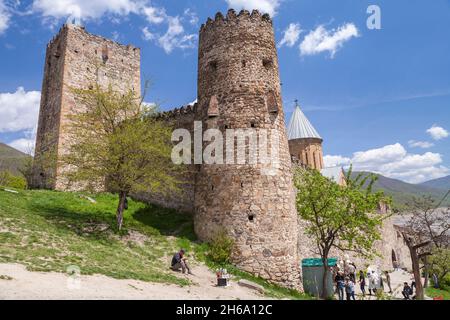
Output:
x=432 y=293
x=48 y=231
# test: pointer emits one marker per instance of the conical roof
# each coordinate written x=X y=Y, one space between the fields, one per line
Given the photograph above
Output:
x=300 y=127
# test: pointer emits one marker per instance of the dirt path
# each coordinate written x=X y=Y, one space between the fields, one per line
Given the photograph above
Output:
x=18 y=283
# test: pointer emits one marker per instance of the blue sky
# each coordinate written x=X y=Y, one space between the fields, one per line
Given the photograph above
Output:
x=371 y=94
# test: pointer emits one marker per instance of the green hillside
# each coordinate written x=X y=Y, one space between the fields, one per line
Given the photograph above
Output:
x=441 y=183
x=11 y=159
x=49 y=231
x=402 y=193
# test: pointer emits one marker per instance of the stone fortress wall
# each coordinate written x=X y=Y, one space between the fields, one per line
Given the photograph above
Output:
x=77 y=59
x=390 y=246
x=238 y=88
x=183 y=200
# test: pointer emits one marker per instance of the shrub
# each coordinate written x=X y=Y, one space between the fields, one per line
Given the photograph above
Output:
x=381 y=295
x=445 y=283
x=439 y=261
x=220 y=248
x=7 y=179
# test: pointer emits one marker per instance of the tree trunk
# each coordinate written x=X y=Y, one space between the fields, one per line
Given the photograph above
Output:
x=325 y=294
x=121 y=208
x=426 y=269
x=416 y=271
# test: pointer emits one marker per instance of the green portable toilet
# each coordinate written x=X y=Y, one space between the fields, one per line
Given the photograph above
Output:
x=312 y=269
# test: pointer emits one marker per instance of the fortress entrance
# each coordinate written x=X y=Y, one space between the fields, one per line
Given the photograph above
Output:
x=394 y=259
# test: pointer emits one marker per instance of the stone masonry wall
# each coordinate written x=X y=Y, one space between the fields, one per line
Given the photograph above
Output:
x=184 y=199
x=239 y=88
x=308 y=151
x=391 y=240
x=50 y=110
x=82 y=60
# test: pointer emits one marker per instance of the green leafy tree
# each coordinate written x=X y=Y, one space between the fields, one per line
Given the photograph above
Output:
x=426 y=228
x=117 y=144
x=440 y=263
x=340 y=217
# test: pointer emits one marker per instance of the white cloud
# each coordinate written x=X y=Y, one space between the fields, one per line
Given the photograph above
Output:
x=437 y=133
x=376 y=157
x=265 y=6
x=4 y=17
x=155 y=15
x=393 y=161
x=321 y=39
x=290 y=35
x=82 y=10
x=85 y=9
x=420 y=144
x=192 y=16
x=147 y=34
x=334 y=161
x=175 y=37
x=19 y=110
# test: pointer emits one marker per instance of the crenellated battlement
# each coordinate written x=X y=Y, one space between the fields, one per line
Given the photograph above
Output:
x=231 y=16
x=65 y=27
x=177 y=112
x=55 y=37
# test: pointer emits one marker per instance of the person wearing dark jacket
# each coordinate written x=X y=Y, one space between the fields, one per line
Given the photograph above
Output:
x=180 y=262
x=340 y=284
x=407 y=291
x=362 y=282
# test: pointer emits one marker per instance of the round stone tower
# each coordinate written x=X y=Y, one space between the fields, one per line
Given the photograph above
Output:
x=239 y=89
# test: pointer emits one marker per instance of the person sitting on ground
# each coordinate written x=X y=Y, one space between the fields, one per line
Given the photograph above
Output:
x=407 y=291
x=180 y=262
x=349 y=288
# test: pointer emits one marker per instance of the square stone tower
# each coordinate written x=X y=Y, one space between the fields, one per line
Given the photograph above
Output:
x=76 y=59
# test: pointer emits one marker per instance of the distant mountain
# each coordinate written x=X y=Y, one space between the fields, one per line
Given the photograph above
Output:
x=11 y=159
x=402 y=193
x=441 y=183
